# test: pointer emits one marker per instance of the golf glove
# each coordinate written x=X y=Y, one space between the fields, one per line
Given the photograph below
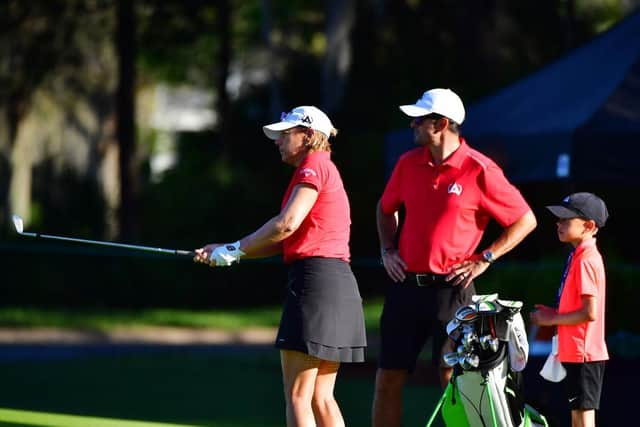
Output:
x=227 y=254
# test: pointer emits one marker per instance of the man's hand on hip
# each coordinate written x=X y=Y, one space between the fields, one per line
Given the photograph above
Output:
x=394 y=265
x=464 y=272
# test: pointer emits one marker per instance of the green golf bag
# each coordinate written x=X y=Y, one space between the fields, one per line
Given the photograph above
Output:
x=486 y=388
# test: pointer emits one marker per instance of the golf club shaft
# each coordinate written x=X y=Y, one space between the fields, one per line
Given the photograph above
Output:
x=178 y=252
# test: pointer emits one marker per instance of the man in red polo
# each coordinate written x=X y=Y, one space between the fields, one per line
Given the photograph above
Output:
x=448 y=192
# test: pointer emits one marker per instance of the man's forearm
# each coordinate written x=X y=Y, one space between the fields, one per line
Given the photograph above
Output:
x=513 y=235
x=387 y=228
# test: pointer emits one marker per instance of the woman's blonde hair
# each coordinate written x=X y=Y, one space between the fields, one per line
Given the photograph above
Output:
x=319 y=141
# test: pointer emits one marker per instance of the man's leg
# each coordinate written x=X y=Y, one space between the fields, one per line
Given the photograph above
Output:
x=449 y=300
x=387 y=399
x=403 y=332
x=445 y=376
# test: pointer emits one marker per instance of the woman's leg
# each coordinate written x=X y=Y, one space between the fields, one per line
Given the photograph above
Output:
x=325 y=407
x=299 y=373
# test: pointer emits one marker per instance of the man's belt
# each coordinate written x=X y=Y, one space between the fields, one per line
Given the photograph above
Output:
x=425 y=279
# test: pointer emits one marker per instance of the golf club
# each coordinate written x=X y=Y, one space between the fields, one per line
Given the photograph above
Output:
x=451 y=359
x=19 y=225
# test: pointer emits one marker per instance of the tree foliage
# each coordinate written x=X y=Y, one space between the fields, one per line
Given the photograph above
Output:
x=358 y=59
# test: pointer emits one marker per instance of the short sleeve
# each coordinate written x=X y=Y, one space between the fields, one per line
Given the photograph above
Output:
x=312 y=172
x=501 y=199
x=588 y=278
x=392 y=196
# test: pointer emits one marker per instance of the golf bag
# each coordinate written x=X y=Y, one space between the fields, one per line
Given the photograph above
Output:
x=486 y=388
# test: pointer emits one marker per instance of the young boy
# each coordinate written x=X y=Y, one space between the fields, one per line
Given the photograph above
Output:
x=579 y=316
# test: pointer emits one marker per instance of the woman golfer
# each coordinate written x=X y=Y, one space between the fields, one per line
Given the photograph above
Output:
x=322 y=322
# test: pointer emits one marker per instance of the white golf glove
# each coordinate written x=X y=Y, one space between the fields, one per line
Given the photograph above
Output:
x=227 y=254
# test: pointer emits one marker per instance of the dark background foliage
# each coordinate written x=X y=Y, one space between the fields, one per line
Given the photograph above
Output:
x=228 y=180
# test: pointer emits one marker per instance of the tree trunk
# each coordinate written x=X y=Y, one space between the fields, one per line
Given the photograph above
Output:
x=24 y=136
x=340 y=21
x=569 y=37
x=275 y=100
x=18 y=187
x=224 y=60
x=125 y=126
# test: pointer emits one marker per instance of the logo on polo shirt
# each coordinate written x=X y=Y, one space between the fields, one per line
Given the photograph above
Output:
x=307 y=171
x=454 y=188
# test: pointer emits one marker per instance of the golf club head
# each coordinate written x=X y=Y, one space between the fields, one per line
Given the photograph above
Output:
x=466 y=313
x=468 y=339
x=451 y=359
x=487 y=307
x=17 y=223
x=470 y=361
x=452 y=326
x=489 y=342
x=468 y=328
x=484 y=341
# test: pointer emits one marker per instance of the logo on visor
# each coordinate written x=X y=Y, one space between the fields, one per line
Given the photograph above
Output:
x=454 y=188
x=296 y=116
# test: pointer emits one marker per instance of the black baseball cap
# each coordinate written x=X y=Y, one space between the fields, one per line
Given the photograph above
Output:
x=582 y=205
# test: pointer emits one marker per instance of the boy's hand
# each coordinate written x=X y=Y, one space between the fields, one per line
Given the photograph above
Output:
x=543 y=316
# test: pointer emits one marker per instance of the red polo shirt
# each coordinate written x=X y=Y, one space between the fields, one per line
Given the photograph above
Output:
x=584 y=342
x=325 y=230
x=448 y=207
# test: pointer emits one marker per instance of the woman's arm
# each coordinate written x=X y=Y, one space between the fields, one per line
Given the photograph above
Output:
x=266 y=240
x=283 y=225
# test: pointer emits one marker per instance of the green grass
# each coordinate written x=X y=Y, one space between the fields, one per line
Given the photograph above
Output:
x=33 y=418
x=174 y=387
x=108 y=319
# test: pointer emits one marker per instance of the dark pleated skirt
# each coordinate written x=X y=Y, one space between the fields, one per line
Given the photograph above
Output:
x=322 y=313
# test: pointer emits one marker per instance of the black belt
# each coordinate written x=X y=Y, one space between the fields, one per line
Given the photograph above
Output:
x=425 y=279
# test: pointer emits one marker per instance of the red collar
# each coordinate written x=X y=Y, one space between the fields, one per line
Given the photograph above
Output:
x=585 y=244
x=455 y=159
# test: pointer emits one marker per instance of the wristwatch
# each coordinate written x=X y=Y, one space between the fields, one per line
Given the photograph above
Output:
x=488 y=256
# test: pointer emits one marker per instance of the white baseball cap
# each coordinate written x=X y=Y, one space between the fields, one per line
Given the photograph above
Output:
x=307 y=116
x=440 y=101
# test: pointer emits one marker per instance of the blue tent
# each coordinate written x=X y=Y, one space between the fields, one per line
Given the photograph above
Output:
x=578 y=118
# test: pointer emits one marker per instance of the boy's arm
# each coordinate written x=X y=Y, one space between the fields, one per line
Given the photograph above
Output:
x=547 y=316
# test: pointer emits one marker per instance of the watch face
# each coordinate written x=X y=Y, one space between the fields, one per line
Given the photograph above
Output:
x=488 y=256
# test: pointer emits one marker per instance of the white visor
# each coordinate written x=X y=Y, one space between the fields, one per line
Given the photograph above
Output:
x=307 y=116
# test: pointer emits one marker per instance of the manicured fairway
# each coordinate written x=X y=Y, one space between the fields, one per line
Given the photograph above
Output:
x=32 y=418
x=100 y=320
x=171 y=388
